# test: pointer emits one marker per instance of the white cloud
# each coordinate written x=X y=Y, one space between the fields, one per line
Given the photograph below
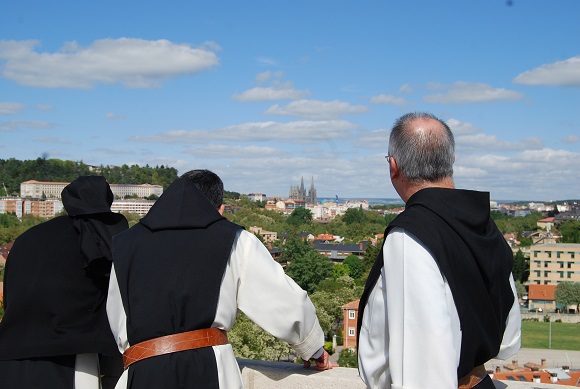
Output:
x=10 y=108
x=461 y=128
x=270 y=88
x=50 y=139
x=279 y=91
x=525 y=174
x=230 y=151
x=388 y=99
x=15 y=125
x=267 y=61
x=406 y=88
x=293 y=132
x=134 y=63
x=572 y=139
x=470 y=137
x=315 y=109
x=561 y=73
x=469 y=92
x=261 y=78
x=377 y=139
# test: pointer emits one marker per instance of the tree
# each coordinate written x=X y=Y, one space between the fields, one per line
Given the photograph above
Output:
x=568 y=293
x=309 y=270
x=299 y=216
x=354 y=264
x=8 y=220
x=252 y=342
x=570 y=231
x=339 y=336
x=348 y=358
x=329 y=298
x=521 y=269
x=295 y=248
x=370 y=256
x=340 y=270
x=520 y=289
x=354 y=215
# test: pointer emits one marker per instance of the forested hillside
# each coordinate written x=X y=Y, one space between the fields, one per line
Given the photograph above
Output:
x=13 y=172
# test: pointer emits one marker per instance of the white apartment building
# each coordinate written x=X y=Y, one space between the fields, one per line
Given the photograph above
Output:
x=140 y=207
x=143 y=190
x=36 y=189
x=555 y=262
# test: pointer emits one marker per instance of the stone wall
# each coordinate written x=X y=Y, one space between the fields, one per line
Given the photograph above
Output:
x=280 y=375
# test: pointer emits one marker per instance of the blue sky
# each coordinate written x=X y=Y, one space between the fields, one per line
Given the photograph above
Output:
x=267 y=92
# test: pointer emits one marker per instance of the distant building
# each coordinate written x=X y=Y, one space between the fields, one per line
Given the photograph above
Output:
x=555 y=262
x=349 y=322
x=138 y=206
x=337 y=252
x=39 y=189
x=572 y=214
x=37 y=207
x=546 y=223
x=268 y=236
x=542 y=298
x=141 y=190
x=299 y=193
x=256 y=197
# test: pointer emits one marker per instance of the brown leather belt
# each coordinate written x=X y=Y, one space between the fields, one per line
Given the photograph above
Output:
x=174 y=343
x=474 y=377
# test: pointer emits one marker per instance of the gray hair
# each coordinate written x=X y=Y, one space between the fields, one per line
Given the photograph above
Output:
x=422 y=155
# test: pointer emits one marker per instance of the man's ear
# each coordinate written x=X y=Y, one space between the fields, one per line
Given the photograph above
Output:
x=221 y=209
x=393 y=168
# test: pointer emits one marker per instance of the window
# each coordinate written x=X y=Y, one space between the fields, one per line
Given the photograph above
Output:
x=569 y=265
x=547 y=263
x=558 y=254
x=561 y=274
x=570 y=274
x=351 y=314
x=549 y=254
x=561 y=264
x=546 y=273
x=572 y=255
x=538 y=263
x=535 y=254
x=350 y=331
x=538 y=273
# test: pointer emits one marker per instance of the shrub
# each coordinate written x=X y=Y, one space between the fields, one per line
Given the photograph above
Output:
x=348 y=358
x=328 y=347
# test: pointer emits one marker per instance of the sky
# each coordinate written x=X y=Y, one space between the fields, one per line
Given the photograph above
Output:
x=265 y=93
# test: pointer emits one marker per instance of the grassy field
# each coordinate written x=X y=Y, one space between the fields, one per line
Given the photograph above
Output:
x=565 y=336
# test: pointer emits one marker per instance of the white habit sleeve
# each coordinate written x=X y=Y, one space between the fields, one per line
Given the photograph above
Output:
x=414 y=340
x=273 y=300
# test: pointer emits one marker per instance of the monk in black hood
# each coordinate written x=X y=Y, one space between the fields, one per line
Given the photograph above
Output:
x=55 y=287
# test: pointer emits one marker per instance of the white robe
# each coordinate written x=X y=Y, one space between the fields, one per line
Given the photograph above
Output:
x=410 y=335
x=255 y=284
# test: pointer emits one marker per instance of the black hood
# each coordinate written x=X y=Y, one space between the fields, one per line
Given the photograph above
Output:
x=466 y=212
x=181 y=206
x=87 y=195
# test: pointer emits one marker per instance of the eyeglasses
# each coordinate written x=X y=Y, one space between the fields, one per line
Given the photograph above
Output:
x=388 y=157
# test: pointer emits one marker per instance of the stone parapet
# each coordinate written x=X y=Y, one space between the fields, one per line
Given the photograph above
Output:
x=281 y=375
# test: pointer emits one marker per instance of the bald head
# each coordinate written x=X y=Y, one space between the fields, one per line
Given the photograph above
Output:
x=423 y=148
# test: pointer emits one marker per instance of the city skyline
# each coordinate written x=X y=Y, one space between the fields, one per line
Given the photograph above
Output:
x=265 y=93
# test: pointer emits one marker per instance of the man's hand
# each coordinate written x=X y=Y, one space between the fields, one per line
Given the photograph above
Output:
x=321 y=363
